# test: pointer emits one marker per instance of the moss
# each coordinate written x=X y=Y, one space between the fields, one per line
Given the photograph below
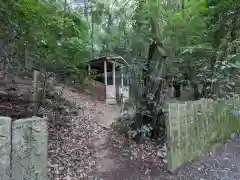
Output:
x=201 y=125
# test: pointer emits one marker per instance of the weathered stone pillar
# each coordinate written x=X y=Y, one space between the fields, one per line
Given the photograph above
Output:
x=5 y=144
x=29 y=149
x=89 y=70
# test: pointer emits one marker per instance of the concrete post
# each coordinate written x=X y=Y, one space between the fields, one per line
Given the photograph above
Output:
x=114 y=74
x=121 y=79
x=105 y=72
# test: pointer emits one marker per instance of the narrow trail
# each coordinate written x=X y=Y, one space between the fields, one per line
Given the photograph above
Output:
x=101 y=115
x=92 y=151
x=83 y=147
x=109 y=156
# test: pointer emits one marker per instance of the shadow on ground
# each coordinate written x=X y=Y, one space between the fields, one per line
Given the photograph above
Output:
x=92 y=151
x=221 y=164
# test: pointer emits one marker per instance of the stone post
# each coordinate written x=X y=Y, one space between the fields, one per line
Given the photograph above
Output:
x=105 y=72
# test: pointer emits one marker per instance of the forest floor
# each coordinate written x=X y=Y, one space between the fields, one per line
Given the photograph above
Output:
x=82 y=146
x=103 y=154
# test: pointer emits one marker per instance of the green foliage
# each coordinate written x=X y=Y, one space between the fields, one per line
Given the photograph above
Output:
x=56 y=40
x=201 y=37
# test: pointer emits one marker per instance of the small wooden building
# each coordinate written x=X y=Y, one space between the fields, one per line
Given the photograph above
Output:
x=109 y=81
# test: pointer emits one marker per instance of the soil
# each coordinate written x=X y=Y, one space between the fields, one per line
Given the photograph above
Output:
x=221 y=164
x=82 y=146
x=14 y=103
x=115 y=158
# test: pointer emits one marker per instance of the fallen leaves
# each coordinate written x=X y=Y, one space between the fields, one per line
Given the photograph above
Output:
x=81 y=142
x=80 y=146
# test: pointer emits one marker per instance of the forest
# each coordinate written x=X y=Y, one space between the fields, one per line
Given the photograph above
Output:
x=190 y=47
x=199 y=39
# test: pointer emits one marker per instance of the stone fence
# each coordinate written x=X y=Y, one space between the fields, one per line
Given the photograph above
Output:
x=23 y=149
x=194 y=127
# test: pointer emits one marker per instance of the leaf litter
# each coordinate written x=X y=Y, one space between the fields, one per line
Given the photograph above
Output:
x=80 y=148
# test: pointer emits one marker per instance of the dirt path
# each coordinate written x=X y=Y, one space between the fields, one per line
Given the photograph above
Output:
x=84 y=148
x=91 y=151
x=221 y=164
x=103 y=116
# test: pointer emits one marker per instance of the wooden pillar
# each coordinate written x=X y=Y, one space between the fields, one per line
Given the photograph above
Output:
x=114 y=74
x=105 y=72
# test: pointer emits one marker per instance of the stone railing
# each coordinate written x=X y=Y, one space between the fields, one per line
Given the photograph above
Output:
x=194 y=127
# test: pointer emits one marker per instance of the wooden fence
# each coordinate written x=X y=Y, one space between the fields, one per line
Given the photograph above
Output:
x=194 y=127
x=23 y=149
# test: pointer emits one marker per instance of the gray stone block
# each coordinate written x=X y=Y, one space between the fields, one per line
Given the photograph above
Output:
x=5 y=147
x=29 y=157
